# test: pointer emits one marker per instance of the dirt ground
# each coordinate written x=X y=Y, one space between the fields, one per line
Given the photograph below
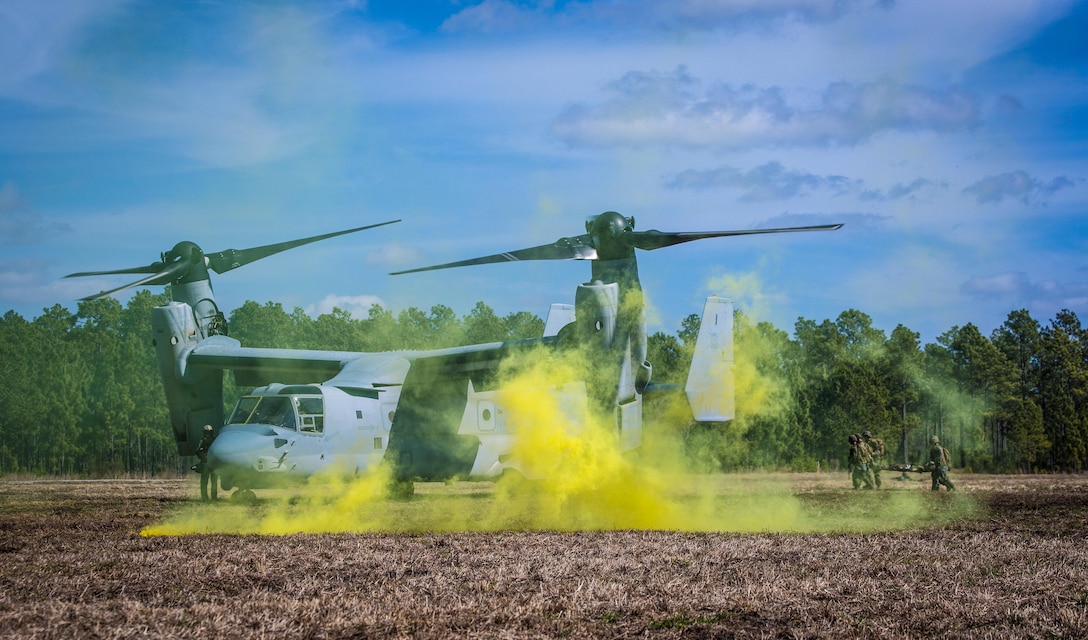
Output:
x=73 y=563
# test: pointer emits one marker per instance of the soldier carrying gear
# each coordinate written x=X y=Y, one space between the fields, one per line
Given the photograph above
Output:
x=876 y=447
x=939 y=462
x=859 y=462
x=862 y=444
x=206 y=476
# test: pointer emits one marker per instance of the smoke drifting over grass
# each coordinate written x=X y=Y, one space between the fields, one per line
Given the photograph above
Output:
x=694 y=503
x=576 y=475
x=578 y=480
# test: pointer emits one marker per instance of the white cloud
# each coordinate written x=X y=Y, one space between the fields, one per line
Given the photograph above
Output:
x=770 y=181
x=18 y=226
x=663 y=108
x=902 y=190
x=854 y=222
x=1044 y=298
x=27 y=281
x=1012 y=283
x=34 y=36
x=1017 y=185
x=491 y=16
x=710 y=13
x=1017 y=287
x=394 y=254
x=357 y=306
x=503 y=16
x=9 y=198
x=259 y=89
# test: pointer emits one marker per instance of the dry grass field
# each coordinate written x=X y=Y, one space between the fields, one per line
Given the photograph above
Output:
x=1005 y=556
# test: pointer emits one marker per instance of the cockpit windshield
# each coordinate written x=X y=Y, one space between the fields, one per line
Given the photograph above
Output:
x=274 y=410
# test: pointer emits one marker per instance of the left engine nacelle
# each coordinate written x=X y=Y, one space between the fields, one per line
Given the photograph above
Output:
x=195 y=398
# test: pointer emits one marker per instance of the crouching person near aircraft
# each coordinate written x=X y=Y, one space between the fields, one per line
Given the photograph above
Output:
x=206 y=474
x=939 y=462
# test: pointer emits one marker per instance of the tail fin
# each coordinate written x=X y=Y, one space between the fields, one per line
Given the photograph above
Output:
x=710 y=380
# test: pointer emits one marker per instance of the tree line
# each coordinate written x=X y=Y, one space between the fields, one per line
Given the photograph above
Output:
x=1010 y=402
x=82 y=397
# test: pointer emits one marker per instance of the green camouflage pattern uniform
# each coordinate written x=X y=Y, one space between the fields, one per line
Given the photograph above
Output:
x=206 y=477
x=877 y=447
x=860 y=462
x=939 y=462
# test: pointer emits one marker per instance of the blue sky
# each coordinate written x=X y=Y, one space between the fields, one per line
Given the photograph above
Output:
x=950 y=138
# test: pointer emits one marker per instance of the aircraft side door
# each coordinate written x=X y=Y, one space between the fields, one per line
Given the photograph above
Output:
x=388 y=411
x=485 y=416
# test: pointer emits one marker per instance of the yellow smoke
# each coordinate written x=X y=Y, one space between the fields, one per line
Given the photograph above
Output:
x=579 y=480
x=755 y=390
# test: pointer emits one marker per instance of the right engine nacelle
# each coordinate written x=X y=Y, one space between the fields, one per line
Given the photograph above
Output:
x=194 y=398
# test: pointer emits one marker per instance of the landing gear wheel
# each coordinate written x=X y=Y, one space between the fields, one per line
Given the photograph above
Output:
x=514 y=482
x=244 y=496
x=402 y=489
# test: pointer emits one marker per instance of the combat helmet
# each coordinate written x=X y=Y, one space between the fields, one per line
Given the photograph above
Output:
x=852 y=439
x=934 y=440
x=866 y=434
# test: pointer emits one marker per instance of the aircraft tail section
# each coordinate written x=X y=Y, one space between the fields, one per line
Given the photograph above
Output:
x=710 y=384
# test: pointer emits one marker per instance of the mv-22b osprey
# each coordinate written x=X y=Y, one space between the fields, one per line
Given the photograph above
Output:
x=433 y=415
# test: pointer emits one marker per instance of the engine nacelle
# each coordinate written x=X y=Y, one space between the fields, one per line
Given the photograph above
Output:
x=195 y=398
x=614 y=342
x=595 y=308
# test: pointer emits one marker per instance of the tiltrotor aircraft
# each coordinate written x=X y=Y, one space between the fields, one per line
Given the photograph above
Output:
x=434 y=415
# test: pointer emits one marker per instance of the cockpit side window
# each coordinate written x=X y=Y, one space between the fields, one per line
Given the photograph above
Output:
x=243 y=409
x=273 y=410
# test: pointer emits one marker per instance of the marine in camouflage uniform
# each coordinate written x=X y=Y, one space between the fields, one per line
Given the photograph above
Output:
x=876 y=446
x=206 y=476
x=939 y=462
x=859 y=462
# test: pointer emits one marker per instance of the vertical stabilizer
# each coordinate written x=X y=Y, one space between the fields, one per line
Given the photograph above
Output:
x=710 y=380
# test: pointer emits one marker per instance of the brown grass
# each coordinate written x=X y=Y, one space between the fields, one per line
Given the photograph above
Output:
x=73 y=564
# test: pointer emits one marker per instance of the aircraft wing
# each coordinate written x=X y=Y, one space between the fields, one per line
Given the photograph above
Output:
x=254 y=367
x=424 y=440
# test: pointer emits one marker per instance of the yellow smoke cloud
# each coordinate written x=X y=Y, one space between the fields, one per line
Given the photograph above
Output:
x=578 y=477
x=581 y=481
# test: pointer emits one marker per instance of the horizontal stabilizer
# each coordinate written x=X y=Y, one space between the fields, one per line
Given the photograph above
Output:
x=559 y=315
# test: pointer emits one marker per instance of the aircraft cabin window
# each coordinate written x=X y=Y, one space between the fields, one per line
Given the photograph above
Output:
x=311 y=412
x=310 y=405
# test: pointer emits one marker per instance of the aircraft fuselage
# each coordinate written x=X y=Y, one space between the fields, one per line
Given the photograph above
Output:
x=280 y=434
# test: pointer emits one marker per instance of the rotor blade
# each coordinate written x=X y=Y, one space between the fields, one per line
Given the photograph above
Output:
x=233 y=258
x=154 y=267
x=165 y=275
x=654 y=239
x=576 y=248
